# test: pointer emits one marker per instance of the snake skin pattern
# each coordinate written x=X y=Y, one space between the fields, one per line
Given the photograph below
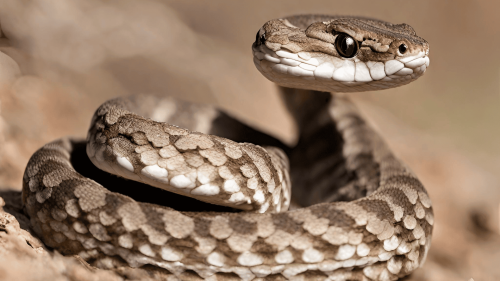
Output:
x=359 y=213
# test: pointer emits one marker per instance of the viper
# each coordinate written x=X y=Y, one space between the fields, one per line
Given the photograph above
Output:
x=336 y=206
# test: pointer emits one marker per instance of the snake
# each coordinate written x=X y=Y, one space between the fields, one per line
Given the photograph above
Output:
x=349 y=209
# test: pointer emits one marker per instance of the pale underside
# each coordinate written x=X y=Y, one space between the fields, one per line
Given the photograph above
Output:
x=382 y=232
x=336 y=75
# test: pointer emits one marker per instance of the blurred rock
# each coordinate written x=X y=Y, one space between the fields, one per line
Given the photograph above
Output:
x=9 y=70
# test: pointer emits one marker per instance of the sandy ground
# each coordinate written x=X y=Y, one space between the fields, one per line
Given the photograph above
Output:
x=60 y=59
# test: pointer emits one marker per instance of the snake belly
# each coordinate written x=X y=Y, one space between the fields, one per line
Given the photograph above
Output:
x=378 y=228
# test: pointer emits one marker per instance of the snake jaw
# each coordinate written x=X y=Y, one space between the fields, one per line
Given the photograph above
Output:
x=334 y=74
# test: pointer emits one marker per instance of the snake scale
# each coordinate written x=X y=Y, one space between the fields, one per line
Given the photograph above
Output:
x=357 y=212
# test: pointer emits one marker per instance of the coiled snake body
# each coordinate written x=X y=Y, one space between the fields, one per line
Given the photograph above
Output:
x=358 y=212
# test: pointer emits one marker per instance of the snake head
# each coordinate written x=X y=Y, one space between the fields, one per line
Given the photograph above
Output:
x=339 y=54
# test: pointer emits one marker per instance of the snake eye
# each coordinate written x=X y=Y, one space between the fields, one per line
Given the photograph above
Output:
x=402 y=48
x=346 y=46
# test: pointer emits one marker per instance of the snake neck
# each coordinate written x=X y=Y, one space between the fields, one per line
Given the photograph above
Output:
x=319 y=163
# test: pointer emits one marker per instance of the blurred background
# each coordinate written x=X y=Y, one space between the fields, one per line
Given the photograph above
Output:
x=59 y=60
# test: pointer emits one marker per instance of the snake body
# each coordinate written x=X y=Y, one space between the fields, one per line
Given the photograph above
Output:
x=359 y=213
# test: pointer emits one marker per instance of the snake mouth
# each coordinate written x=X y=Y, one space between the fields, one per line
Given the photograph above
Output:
x=336 y=74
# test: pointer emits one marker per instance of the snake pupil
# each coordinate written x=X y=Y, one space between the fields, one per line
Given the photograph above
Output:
x=346 y=46
x=403 y=48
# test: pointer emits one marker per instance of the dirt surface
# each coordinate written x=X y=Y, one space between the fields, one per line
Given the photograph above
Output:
x=60 y=59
